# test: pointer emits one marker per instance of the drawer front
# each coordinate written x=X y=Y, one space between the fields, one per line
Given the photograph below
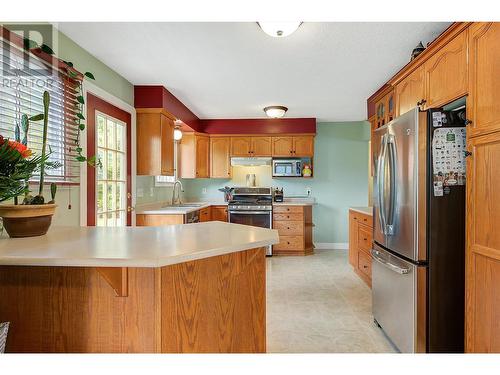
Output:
x=362 y=218
x=364 y=238
x=288 y=209
x=205 y=214
x=289 y=228
x=290 y=243
x=365 y=263
x=288 y=217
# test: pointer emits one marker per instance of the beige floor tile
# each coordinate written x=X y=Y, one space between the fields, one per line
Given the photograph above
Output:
x=317 y=304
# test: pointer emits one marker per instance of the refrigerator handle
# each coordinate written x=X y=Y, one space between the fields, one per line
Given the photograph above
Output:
x=391 y=146
x=380 y=183
x=389 y=265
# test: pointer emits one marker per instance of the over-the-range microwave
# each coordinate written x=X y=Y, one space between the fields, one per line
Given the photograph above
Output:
x=287 y=167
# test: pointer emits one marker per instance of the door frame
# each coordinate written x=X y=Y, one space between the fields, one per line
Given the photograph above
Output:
x=91 y=88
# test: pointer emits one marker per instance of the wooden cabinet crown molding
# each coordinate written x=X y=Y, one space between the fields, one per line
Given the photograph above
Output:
x=438 y=43
x=162 y=111
x=259 y=135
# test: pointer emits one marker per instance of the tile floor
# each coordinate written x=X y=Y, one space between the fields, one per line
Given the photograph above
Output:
x=318 y=304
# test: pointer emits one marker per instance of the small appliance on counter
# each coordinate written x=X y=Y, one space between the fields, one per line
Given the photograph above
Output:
x=227 y=193
x=278 y=195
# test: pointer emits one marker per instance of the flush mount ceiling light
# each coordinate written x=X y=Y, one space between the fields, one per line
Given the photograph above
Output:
x=275 y=111
x=279 y=29
x=177 y=130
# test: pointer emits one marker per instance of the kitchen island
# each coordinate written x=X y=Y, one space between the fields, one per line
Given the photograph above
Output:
x=176 y=289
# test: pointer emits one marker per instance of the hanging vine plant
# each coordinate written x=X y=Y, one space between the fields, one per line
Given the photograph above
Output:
x=79 y=119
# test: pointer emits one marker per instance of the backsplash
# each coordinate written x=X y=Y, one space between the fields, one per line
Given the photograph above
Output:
x=147 y=192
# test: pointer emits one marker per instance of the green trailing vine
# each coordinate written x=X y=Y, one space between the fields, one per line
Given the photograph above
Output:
x=79 y=119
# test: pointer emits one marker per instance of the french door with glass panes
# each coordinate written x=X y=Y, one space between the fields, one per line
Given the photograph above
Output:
x=108 y=184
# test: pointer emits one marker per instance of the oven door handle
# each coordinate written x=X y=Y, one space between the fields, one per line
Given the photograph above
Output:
x=251 y=212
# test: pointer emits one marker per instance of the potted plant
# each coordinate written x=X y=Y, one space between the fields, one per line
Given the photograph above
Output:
x=17 y=165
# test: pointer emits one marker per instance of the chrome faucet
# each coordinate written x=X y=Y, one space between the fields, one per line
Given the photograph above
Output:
x=176 y=198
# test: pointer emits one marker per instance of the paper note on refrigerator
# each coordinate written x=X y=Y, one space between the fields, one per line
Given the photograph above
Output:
x=448 y=158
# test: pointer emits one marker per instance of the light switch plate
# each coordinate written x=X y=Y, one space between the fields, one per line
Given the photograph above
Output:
x=204 y=190
x=140 y=192
x=308 y=191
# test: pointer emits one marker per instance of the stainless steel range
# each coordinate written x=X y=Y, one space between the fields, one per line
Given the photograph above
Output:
x=252 y=206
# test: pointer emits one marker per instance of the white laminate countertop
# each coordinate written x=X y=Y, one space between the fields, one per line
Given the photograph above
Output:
x=166 y=209
x=363 y=210
x=296 y=202
x=132 y=246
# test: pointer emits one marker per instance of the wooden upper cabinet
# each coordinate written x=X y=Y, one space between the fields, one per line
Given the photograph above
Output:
x=202 y=156
x=283 y=146
x=220 y=157
x=483 y=244
x=483 y=107
x=241 y=146
x=155 y=143
x=410 y=91
x=167 y=146
x=194 y=156
x=261 y=146
x=303 y=146
x=446 y=73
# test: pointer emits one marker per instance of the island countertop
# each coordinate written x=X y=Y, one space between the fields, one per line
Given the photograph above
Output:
x=132 y=246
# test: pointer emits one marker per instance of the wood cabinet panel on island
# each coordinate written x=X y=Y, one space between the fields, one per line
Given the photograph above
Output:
x=155 y=142
x=194 y=154
x=211 y=305
x=220 y=157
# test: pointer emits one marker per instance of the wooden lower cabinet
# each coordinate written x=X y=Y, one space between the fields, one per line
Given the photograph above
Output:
x=219 y=213
x=360 y=244
x=205 y=214
x=149 y=220
x=483 y=245
x=294 y=226
x=211 y=305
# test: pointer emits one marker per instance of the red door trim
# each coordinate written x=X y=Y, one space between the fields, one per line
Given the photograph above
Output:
x=97 y=104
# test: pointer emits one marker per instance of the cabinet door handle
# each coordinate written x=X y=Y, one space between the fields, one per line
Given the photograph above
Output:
x=468 y=122
x=422 y=102
x=365 y=239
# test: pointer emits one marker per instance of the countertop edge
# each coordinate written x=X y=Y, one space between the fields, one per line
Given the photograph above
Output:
x=364 y=210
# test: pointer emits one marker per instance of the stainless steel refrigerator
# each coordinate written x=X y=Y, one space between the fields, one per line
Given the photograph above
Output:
x=419 y=230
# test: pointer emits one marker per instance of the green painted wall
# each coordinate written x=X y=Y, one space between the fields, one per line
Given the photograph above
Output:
x=340 y=169
x=106 y=78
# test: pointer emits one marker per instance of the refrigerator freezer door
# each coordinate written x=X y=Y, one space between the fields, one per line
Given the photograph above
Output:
x=396 y=185
x=394 y=298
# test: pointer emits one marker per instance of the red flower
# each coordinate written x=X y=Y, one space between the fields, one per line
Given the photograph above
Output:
x=19 y=147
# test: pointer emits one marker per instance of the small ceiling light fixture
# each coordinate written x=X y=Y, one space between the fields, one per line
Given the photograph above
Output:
x=275 y=111
x=177 y=130
x=279 y=29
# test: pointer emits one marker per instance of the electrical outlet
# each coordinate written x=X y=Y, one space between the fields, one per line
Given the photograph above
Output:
x=204 y=190
x=308 y=191
x=140 y=192
x=151 y=191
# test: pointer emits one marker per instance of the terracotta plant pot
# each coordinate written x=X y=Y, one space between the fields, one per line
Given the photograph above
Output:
x=27 y=220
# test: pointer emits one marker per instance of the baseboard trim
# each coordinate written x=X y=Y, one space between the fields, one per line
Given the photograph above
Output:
x=332 y=245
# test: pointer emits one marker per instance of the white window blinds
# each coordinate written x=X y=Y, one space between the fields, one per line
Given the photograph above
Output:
x=24 y=78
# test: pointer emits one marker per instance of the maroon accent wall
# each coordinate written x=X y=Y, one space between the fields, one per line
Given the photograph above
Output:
x=259 y=126
x=160 y=97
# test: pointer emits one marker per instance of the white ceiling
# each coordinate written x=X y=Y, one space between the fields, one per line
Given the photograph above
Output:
x=233 y=70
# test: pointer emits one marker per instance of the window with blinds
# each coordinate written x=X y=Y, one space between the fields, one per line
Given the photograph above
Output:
x=21 y=91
